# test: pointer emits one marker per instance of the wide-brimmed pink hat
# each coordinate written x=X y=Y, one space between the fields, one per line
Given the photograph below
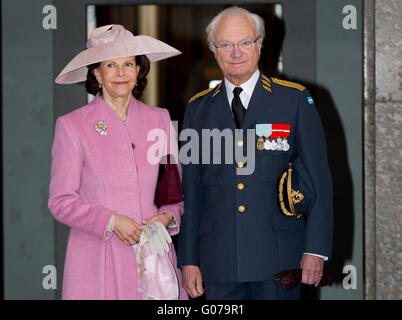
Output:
x=113 y=42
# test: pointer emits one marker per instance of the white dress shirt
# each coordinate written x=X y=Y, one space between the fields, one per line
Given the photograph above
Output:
x=248 y=88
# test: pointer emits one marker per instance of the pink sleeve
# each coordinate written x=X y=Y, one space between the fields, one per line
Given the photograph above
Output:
x=177 y=209
x=65 y=202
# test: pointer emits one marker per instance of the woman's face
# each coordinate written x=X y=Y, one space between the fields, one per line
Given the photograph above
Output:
x=118 y=76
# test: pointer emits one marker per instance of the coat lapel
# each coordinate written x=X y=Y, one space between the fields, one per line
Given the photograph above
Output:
x=260 y=101
x=141 y=121
x=138 y=126
x=220 y=108
x=135 y=119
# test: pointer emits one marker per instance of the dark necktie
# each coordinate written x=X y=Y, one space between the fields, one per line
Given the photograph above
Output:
x=237 y=107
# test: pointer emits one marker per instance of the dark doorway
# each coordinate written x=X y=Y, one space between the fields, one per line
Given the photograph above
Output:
x=183 y=27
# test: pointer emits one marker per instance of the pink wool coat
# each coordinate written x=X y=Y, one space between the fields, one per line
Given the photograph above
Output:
x=94 y=176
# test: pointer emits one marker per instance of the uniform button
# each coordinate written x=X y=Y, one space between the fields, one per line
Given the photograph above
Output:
x=240 y=164
x=242 y=208
x=240 y=143
x=240 y=186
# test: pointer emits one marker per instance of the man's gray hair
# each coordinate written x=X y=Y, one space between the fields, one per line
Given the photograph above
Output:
x=234 y=11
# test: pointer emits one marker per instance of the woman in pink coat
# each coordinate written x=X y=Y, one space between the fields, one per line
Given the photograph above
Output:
x=103 y=176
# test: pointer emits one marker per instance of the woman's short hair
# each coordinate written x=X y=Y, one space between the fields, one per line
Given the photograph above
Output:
x=234 y=11
x=92 y=85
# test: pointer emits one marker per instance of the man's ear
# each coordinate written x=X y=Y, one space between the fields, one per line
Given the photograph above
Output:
x=260 y=44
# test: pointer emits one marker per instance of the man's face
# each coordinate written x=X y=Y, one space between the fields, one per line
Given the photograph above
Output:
x=237 y=64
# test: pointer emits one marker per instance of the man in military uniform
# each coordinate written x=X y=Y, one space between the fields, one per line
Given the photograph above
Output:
x=234 y=236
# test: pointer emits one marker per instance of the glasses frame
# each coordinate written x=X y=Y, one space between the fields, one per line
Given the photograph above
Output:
x=233 y=44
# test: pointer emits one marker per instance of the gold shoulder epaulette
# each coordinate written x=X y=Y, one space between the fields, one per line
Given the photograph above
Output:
x=289 y=84
x=202 y=93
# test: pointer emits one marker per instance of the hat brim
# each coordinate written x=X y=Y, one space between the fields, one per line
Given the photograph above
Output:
x=76 y=70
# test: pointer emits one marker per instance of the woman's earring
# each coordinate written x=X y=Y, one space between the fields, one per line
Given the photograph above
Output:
x=100 y=85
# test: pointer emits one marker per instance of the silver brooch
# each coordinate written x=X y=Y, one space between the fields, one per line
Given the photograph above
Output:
x=101 y=127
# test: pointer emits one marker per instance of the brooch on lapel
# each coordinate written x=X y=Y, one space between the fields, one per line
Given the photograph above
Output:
x=101 y=127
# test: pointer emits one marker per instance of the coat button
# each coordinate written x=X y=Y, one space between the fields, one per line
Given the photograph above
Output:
x=240 y=164
x=240 y=143
x=240 y=186
x=242 y=208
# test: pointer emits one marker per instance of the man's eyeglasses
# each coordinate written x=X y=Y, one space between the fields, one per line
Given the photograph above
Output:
x=227 y=46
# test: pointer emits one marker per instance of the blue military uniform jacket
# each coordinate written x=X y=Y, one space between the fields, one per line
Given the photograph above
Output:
x=233 y=227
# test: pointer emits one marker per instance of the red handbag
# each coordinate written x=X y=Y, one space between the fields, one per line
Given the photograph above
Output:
x=168 y=189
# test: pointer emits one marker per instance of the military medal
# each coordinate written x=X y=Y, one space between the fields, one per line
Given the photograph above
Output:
x=262 y=130
x=280 y=130
x=279 y=144
x=267 y=145
x=272 y=136
x=279 y=134
x=101 y=127
x=260 y=143
x=286 y=146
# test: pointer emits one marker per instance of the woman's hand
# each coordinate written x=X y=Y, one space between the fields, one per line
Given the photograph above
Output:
x=164 y=218
x=127 y=229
